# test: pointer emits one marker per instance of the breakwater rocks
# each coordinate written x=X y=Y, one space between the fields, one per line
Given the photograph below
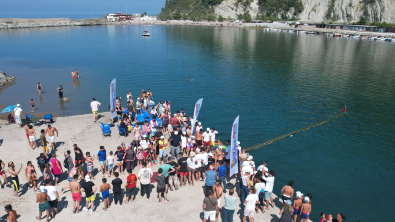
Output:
x=6 y=80
x=15 y=23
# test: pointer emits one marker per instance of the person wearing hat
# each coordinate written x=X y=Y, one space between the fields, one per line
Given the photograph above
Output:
x=297 y=205
x=207 y=139
x=138 y=105
x=14 y=177
x=162 y=149
x=90 y=189
x=305 y=210
x=18 y=114
x=286 y=212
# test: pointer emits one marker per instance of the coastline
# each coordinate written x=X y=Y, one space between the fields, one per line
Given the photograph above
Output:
x=18 y=23
x=81 y=130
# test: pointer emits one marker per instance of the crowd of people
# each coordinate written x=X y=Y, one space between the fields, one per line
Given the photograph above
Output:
x=185 y=157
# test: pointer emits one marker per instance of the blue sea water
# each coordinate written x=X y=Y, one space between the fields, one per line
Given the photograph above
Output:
x=276 y=82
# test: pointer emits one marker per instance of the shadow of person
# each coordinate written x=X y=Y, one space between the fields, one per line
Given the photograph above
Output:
x=240 y=212
x=97 y=201
x=275 y=218
x=277 y=202
x=62 y=204
x=95 y=172
x=57 y=144
x=23 y=189
x=1 y=142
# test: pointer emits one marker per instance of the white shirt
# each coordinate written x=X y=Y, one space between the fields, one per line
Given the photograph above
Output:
x=239 y=149
x=183 y=141
x=212 y=134
x=110 y=159
x=262 y=167
x=247 y=168
x=18 y=111
x=198 y=157
x=153 y=111
x=205 y=158
x=191 y=163
x=269 y=183
x=50 y=190
x=198 y=128
x=251 y=201
x=153 y=124
x=228 y=151
x=145 y=175
x=95 y=105
x=144 y=144
x=145 y=102
x=206 y=136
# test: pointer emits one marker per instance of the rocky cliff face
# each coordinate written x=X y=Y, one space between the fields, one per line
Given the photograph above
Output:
x=5 y=80
x=320 y=10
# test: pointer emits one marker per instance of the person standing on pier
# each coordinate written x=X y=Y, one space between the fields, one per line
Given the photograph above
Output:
x=287 y=192
x=269 y=188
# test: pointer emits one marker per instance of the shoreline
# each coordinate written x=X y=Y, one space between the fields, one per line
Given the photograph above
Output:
x=19 y=23
x=88 y=136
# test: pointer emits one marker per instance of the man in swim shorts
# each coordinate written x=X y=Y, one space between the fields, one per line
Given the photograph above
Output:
x=287 y=192
x=60 y=91
x=102 y=157
x=305 y=210
x=297 y=205
x=90 y=189
x=51 y=133
x=95 y=109
x=75 y=190
x=32 y=136
x=43 y=204
x=105 y=193
x=14 y=177
x=26 y=128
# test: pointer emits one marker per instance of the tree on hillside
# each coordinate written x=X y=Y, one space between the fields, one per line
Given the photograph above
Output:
x=193 y=18
x=240 y=16
x=247 y=16
x=220 y=18
x=210 y=17
x=184 y=16
x=177 y=16
x=263 y=17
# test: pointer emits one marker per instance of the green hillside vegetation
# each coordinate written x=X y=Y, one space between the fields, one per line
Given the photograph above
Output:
x=189 y=9
x=279 y=8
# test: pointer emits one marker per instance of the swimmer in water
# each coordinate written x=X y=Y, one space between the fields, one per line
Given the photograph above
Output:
x=187 y=79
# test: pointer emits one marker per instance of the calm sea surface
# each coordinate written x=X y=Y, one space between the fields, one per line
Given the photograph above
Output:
x=276 y=82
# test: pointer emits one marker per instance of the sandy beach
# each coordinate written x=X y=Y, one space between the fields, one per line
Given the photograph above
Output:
x=184 y=204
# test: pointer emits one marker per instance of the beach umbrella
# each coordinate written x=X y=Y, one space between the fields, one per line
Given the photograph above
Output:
x=9 y=108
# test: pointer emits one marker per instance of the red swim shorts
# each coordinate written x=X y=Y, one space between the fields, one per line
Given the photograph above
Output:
x=183 y=173
x=1 y=173
x=27 y=135
x=206 y=143
x=76 y=196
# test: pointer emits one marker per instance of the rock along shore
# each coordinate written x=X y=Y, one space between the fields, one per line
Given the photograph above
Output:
x=6 y=80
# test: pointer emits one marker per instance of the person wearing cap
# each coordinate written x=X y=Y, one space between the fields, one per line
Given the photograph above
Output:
x=305 y=210
x=286 y=211
x=43 y=204
x=18 y=114
x=14 y=177
x=297 y=205
x=90 y=189
x=175 y=141
x=162 y=148
x=269 y=188
x=199 y=127
x=138 y=105
x=207 y=139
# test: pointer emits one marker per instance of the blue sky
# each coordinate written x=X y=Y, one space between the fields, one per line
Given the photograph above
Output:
x=18 y=7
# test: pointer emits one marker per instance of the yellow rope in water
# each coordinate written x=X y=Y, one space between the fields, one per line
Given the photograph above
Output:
x=293 y=133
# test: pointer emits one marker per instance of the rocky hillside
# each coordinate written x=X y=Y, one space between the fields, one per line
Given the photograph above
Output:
x=305 y=10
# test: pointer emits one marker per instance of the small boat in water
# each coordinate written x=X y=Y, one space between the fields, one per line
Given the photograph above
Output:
x=355 y=36
x=380 y=38
x=364 y=37
x=389 y=40
x=337 y=35
x=311 y=32
x=346 y=35
x=146 y=34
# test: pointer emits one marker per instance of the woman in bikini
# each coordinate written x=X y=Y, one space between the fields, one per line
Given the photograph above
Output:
x=28 y=174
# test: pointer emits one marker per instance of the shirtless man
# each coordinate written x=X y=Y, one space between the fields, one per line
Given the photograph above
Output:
x=199 y=138
x=306 y=210
x=105 y=192
x=242 y=157
x=287 y=193
x=73 y=75
x=14 y=177
x=11 y=213
x=77 y=73
x=75 y=190
x=149 y=94
x=43 y=204
x=32 y=136
x=297 y=205
x=219 y=156
x=51 y=133
x=218 y=194
x=26 y=128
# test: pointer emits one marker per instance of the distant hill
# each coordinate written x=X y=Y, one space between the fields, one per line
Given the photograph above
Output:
x=361 y=11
